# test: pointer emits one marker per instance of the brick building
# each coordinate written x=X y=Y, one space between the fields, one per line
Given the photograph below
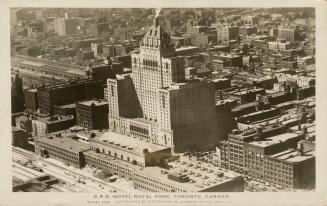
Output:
x=43 y=126
x=92 y=114
x=65 y=149
x=30 y=100
x=20 y=138
x=66 y=93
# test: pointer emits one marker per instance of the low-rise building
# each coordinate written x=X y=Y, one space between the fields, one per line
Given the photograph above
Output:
x=188 y=177
x=65 y=149
x=130 y=149
x=43 y=126
x=19 y=138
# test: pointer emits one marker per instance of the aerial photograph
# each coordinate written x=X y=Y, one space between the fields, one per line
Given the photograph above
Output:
x=184 y=100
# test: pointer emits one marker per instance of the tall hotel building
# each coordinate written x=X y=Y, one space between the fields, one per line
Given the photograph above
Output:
x=155 y=104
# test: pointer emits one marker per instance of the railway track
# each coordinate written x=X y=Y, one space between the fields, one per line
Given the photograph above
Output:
x=34 y=156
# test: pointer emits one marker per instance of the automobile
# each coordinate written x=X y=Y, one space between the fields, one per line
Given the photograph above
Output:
x=81 y=181
x=37 y=169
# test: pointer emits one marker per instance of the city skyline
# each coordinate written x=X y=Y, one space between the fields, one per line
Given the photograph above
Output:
x=166 y=100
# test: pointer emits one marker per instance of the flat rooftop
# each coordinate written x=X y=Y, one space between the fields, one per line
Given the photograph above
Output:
x=37 y=64
x=246 y=91
x=277 y=139
x=66 y=106
x=95 y=102
x=16 y=130
x=292 y=156
x=56 y=119
x=112 y=160
x=243 y=106
x=127 y=143
x=32 y=90
x=283 y=119
x=202 y=176
x=65 y=143
x=186 y=48
x=145 y=121
x=55 y=66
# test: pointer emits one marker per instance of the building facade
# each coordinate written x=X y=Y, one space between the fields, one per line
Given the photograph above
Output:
x=67 y=93
x=227 y=33
x=92 y=114
x=167 y=110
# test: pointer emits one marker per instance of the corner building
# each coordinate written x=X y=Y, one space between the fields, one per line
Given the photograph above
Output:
x=167 y=110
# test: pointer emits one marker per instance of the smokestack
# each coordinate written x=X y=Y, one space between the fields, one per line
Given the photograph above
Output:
x=259 y=132
x=304 y=130
x=157 y=12
x=300 y=148
x=299 y=126
x=304 y=117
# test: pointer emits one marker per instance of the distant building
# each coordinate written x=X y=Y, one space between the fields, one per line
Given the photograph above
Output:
x=36 y=71
x=193 y=27
x=96 y=48
x=125 y=35
x=13 y=18
x=302 y=62
x=301 y=81
x=288 y=34
x=223 y=60
x=279 y=46
x=85 y=55
x=98 y=28
x=181 y=41
x=247 y=30
x=109 y=50
x=227 y=33
x=85 y=43
x=273 y=32
x=64 y=26
x=251 y=20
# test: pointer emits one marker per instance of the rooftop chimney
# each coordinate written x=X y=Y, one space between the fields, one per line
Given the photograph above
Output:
x=300 y=148
x=304 y=130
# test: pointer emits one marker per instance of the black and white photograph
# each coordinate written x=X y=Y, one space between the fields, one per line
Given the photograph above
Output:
x=136 y=102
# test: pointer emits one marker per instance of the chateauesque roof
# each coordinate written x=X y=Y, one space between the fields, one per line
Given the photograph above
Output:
x=156 y=32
